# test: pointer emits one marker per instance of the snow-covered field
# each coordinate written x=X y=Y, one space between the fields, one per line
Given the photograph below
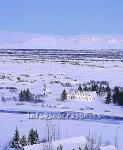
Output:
x=33 y=75
x=67 y=128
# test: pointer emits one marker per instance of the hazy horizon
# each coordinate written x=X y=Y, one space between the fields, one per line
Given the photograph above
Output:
x=61 y=24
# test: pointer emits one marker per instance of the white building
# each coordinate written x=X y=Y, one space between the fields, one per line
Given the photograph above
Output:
x=84 y=96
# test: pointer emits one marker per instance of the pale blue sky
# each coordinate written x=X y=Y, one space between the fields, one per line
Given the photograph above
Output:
x=61 y=24
x=62 y=17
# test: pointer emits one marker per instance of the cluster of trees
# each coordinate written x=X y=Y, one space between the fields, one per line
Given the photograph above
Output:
x=25 y=95
x=19 y=143
x=99 y=87
x=112 y=95
x=115 y=96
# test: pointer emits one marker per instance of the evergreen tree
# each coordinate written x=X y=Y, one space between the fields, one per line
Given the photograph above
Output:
x=33 y=137
x=24 y=95
x=120 y=99
x=21 y=98
x=108 y=98
x=23 y=141
x=101 y=89
x=108 y=89
x=86 y=147
x=60 y=147
x=116 y=94
x=36 y=137
x=80 y=88
x=85 y=88
x=28 y=95
x=64 y=95
x=94 y=87
x=15 y=143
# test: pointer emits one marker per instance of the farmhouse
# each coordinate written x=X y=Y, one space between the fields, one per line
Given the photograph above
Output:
x=84 y=95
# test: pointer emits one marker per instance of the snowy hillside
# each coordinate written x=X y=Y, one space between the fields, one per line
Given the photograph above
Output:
x=67 y=144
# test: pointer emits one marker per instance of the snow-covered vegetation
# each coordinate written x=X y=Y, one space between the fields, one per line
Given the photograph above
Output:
x=35 y=84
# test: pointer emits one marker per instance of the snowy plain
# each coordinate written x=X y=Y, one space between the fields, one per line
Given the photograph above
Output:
x=34 y=74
